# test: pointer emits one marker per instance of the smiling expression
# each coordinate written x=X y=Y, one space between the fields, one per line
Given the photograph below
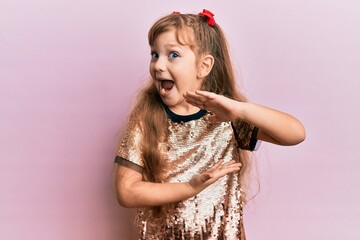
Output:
x=174 y=70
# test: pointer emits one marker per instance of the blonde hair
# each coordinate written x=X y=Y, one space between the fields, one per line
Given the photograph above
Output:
x=194 y=31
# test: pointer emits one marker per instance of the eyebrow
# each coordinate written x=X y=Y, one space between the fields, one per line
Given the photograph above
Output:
x=173 y=45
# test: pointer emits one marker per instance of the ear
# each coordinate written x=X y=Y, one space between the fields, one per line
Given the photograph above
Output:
x=205 y=66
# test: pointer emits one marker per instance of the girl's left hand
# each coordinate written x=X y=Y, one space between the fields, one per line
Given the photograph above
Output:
x=223 y=109
x=211 y=175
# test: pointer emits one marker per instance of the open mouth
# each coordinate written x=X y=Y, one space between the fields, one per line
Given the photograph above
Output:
x=166 y=85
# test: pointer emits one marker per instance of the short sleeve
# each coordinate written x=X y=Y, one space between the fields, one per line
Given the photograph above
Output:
x=246 y=135
x=123 y=162
x=129 y=150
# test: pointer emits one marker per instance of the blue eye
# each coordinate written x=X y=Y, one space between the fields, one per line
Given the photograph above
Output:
x=173 y=55
x=154 y=55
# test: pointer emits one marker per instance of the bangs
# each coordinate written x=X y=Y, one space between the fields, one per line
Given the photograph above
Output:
x=173 y=22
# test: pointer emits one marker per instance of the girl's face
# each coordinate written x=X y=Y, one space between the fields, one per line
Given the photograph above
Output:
x=174 y=70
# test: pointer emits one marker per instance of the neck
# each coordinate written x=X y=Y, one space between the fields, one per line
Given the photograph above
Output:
x=184 y=110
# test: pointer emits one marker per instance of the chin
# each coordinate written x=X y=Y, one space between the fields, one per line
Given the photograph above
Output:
x=168 y=103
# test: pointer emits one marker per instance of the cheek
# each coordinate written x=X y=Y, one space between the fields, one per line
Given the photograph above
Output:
x=152 y=73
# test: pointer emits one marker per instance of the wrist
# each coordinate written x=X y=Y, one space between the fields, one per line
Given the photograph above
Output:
x=240 y=110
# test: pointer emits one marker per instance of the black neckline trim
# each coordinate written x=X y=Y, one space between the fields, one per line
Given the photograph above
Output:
x=184 y=118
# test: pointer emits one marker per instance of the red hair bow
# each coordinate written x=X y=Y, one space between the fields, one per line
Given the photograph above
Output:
x=209 y=17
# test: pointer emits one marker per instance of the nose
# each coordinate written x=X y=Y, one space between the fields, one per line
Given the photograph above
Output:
x=160 y=65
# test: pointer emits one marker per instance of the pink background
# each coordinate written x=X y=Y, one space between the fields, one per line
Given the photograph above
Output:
x=69 y=69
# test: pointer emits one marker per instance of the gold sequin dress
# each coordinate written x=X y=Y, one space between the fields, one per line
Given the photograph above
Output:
x=192 y=146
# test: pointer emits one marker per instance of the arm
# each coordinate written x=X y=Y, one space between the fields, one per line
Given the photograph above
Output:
x=133 y=191
x=274 y=126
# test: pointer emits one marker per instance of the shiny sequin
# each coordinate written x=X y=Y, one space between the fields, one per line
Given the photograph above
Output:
x=190 y=148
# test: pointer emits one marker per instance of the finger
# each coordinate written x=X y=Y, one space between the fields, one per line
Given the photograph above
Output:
x=224 y=171
x=194 y=99
x=218 y=164
x=195 y=96
x=231 y=170
x=229 y=163
x=235 y=166
x=206 y=94
x=221 y=164
x=200 y=105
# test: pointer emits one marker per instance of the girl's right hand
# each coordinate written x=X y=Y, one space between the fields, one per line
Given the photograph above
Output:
x=220 y=169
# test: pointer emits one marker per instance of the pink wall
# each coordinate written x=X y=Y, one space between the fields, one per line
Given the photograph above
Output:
x=68 y=70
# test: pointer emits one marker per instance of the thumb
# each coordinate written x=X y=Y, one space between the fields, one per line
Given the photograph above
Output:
x=204 y=177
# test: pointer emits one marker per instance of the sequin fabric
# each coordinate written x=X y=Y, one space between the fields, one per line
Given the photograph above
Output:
x=190 y=148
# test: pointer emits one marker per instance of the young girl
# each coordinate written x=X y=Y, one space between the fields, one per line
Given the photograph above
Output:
x=183 y=159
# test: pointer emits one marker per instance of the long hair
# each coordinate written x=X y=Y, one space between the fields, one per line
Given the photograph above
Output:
x=194 y=31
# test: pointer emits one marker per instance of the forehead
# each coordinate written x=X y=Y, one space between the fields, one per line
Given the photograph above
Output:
x=184 y=36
